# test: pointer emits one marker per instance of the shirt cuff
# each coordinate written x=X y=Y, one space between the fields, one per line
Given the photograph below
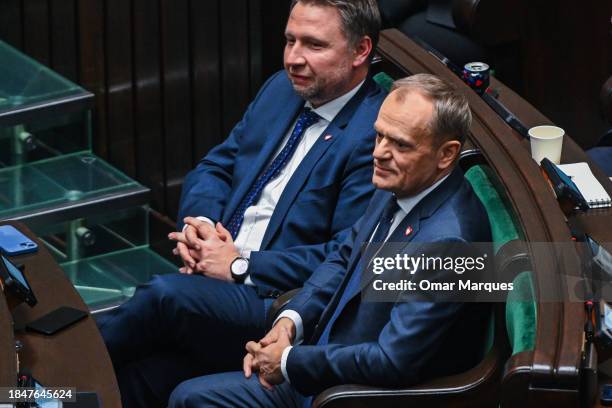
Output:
x=284 y=357
x=205 y=219
x=248 y=281
x=297 y=320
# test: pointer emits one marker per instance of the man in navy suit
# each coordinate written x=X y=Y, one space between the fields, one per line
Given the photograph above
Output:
x=327 y=335
x=262 y=209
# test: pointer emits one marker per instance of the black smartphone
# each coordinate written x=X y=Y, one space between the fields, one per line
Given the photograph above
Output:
x=15 y=281
x=56 y=320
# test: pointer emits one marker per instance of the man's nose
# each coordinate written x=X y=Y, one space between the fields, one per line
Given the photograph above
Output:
x=295 y=56
x=381 y=150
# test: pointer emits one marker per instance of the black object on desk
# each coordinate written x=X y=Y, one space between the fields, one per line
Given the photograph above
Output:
x=508 y=117
x=15 y=282
x=56 y=320
x=564 y=187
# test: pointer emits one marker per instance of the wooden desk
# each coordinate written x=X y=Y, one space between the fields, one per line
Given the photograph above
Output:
x=75 y=357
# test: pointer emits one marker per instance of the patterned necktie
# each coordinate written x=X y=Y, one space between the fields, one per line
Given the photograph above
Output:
x=384 y=225
x=307 y=118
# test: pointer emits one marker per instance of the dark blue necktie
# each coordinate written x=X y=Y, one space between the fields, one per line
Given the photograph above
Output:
x=384 y=225
x=306 y=119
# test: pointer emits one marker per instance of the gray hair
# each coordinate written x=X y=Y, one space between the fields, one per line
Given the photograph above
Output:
x=452 y=117
x=359 y=17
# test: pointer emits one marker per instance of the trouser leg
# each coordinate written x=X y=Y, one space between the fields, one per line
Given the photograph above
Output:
x=232 y=390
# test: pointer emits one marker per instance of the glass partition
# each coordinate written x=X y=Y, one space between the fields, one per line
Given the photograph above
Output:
x=25 y=82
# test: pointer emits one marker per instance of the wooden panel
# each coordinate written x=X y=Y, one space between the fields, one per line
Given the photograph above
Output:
x=63 y=37
x=176 y=98
x=147 y=102
x=274 y=19
x=255 y=21
x=119 y=85
x=10 y=22
x=92 y=67
x=206 y=74
x=36 y=30
x=565 y=63
x=235 y=59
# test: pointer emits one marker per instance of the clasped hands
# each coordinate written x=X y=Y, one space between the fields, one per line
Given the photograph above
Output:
x=264 y=357
x=205 y=249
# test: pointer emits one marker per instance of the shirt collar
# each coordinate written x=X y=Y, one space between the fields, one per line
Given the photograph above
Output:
x=329 y=110
x=408 y=203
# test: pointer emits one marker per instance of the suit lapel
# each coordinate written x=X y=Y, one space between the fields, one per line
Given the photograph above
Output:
x=298 y=179
x=399 y=239
x=353 y=265
x=275 y=134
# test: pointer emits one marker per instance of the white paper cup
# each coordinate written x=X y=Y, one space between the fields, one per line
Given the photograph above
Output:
x=546 y=141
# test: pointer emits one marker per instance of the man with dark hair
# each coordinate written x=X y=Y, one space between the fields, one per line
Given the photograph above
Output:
x=327 y=335
x=262 y=209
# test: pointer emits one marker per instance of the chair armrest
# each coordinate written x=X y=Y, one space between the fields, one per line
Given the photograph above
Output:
x=278 y=305
x=490 y=22
x=476 y=387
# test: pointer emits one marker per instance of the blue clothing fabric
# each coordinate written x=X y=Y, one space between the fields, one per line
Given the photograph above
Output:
x=382 y=230
x=376 y=343
x=232 y=389
x=602 y=156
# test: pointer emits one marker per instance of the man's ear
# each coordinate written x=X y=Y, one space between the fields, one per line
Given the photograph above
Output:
x=448 y=153
x=362 y=51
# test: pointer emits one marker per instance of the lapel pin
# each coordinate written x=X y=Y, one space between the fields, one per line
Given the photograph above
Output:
x=408 y=230
x=327 y=137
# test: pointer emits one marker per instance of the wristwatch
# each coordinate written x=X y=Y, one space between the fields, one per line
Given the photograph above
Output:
x=239 y=269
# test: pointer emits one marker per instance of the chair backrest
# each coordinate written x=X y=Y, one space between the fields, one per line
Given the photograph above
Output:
x=520 y=308
x=521 y=315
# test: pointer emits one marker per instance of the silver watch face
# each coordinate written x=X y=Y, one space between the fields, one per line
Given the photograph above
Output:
x=240 y=266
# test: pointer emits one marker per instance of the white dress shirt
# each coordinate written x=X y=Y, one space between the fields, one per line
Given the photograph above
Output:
x=257 y=217
x=406 y=205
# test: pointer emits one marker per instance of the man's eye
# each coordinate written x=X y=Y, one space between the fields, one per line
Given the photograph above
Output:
x=290 y=41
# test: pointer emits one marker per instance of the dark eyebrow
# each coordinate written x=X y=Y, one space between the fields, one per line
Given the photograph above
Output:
x=310 y=39
x=307 y=39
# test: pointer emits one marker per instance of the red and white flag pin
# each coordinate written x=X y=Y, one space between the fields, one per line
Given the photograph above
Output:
x=408 y=230
x=327 y=137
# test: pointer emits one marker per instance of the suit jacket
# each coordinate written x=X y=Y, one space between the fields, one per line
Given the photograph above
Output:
x=327 y=193
x=391 y=344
